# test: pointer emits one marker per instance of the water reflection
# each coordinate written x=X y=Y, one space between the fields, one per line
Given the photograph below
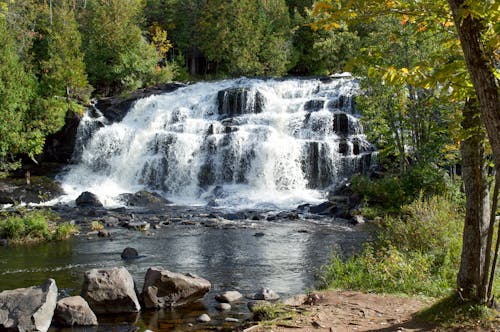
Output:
x=284 y=259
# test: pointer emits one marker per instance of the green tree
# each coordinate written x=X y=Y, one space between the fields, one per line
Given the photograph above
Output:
x=478 y=30
x=246 y=37
x=16 y=91
x=117 y=56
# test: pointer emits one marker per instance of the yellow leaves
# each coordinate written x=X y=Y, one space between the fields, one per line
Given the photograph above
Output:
x=405 y=19
x=159 y=39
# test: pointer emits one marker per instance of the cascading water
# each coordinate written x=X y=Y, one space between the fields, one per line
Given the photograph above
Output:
x=235 y=143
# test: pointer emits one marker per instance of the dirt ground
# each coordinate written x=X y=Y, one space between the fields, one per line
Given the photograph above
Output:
x=342 y=311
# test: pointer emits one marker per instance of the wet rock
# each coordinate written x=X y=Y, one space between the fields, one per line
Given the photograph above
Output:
x=259 y=234
x=235 y=216
x=229 y=296
x=28 y=309
x=103 y=233
x=203 y=318
x=110 y=291
x=88 y=199
x=116 y=108
x=231 y=320
x=138 y=225
x=59 y=146
x=324 y=208
x=341 y=124
x=163 y=288
x=110 y=221
x=265 y=294
x=74 y=310
x=40 y=189
x=296 y=300
x=314 y=105
x=143 y=198
x=223 y=306
x=129 y=253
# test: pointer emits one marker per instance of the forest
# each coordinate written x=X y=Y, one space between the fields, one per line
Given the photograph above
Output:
x=429 y=72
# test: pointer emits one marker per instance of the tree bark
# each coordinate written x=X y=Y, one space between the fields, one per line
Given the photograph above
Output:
x=480 y=68
x=471 y=278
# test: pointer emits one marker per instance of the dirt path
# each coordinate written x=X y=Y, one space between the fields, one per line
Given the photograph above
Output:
x=341 y=311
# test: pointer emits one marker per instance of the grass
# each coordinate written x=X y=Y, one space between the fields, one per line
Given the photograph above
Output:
x=416 y=253
x=96 y=226
x=25 y=226
x=452 y=313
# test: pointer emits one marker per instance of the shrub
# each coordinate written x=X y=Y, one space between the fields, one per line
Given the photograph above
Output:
x=65 y=230
x=96 y=225
x=33 y=226
x=417 y=252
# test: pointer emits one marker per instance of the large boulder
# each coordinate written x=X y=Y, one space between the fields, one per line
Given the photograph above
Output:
x=28 y=309
x=143 y=198
x=110 y=291
x=88 y=199
x=74 y=310
x=163 y=288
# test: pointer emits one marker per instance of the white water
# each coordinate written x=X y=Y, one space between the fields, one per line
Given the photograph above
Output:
x=179 y=145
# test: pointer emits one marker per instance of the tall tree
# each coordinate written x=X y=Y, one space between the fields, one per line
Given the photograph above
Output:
x=478 y=30
x=16 y=92
x=246 y=37
x=117 y=56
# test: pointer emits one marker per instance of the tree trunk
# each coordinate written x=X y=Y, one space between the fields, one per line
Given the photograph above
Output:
x=481 y=70
x=471 y=281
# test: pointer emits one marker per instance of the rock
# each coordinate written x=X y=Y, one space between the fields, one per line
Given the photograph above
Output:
x=59 y=146
x=129 y=253
x=259 y=234
x=341 y=124
x=324 y=208
x=231 y=320
x=28 y=309
x=138 y=225
x=103 y=233
x=74 y=310
x=265 y=294
x=40 y=189
x=143 y=198
x=110 y=291
x=163 y=288
x=110 y=221
x=235 y=101
x=223 y=306
x=229 y=296
x=116 y=108
x=88 y=199
x=296 y=300
x=314 y=105
x=203 y=318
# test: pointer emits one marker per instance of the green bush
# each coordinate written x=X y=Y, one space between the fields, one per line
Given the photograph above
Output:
x=415 y=253
x=33 y=226
x=65 y=230
x=386 y=192
x=392 y=192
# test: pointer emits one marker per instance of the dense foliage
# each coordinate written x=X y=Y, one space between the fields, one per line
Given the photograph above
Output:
x=416 y=252
x=33 y=226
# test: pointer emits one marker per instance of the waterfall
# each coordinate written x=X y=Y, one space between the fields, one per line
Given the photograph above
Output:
x=234 y=143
